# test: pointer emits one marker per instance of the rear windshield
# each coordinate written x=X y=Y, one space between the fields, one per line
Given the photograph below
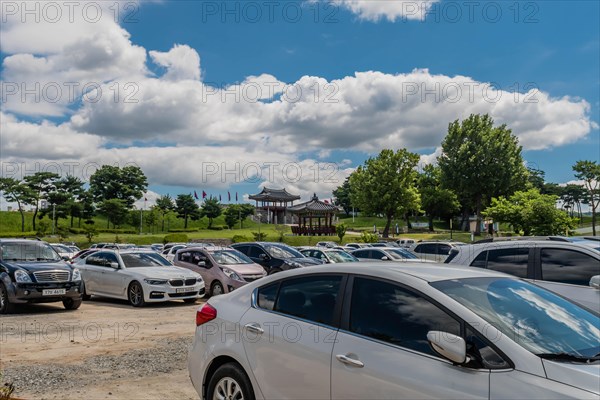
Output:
x=146 y=259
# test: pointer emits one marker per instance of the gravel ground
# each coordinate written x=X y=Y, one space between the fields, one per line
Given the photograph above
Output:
x=105 y=350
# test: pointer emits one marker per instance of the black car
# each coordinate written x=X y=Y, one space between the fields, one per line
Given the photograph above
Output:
x=275 y=257
x=32 y=272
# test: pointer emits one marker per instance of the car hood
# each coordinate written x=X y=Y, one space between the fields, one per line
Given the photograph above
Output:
x=244 y=269
x=583 y=376
x=42 y=266
x=163 y=272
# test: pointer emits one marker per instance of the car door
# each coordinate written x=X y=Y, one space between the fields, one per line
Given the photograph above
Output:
x=112 y=281
x=288 y=335
x=382 y=352
x=91 y=273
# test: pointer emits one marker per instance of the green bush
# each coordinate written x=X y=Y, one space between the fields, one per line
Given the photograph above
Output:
x=176 y=237
x=259 y=237
x=77 y=231
x=216 y=228
x=180 y=230
x=119 y=231
x=239 y=239
x=368 y=237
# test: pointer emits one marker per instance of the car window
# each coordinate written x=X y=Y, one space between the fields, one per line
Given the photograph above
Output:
x=511 y=261
x=242 y=249
x=392 y=314
x=312 y=298
x=361 y=253
x=185 y=256
x=255 y=251
x=102 y=259
x=376 y=254
x=480 y=260
x=568 y=266
x=427 y=248
x=444 y=249
x=145 y=259
x=266 y=296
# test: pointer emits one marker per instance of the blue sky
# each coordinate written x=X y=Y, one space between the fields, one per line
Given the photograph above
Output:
x=553 y=46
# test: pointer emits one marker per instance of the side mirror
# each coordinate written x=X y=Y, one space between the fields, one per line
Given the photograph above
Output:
x=114 y=265
x=449 y=346
x=202 y=264
x=384 y=258
x=595 y=282
x=263 y=257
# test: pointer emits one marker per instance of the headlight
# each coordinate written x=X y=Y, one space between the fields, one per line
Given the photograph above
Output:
x=294 y=264
x=22 y=276
x=76 y=275
x=232 y=274
x=200 y=280
x=151 y=281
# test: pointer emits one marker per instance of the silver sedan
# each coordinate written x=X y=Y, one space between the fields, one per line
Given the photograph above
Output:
x=392 y=331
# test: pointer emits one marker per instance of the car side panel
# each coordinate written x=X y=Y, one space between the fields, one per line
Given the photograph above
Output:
x=519 y=385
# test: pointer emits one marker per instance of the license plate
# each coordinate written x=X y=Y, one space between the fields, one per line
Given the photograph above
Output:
x=183 y=290
x=53 y=292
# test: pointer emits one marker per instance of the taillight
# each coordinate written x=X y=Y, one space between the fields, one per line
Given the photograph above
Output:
x=205 y=313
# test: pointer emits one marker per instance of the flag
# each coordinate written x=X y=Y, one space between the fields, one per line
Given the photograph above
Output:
x=203 y=194
x=326 y=201
x=219 y=197
x=145 y=199
x=195 y=195
x=236 y=196
x=228 y=196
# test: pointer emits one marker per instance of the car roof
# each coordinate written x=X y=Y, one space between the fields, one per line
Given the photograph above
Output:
x=19 y=240
x=430 y=272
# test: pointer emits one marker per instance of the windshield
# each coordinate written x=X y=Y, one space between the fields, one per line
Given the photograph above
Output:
x=28 y=251
x=535 y=318
x=145 y=259
x=403 y=253
x=282 y=251
x=60 y=248
x=340 y=256
x=229 y=257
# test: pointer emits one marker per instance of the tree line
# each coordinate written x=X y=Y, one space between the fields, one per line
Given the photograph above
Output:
x=480 y=172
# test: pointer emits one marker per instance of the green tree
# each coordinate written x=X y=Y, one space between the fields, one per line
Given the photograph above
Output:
x=88 y=210
x=72 y=186
x=164 y=205
x=40 y=184
x=211 y=209
x=589 y=173
x=246 y=211
x=572 y=196
x=115 y=211
x=530 y=213
x=341 y=196
x=111 y=182
x=480 y=161
x=186 y=208
x=232 y=215
x=386 y=185
x=18 y=192
x=340 y=230
x=152 y=217
x=436 y=201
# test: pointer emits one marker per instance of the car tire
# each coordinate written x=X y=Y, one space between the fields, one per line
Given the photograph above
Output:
x=6 y=307
x=216 y=289
x=135 y=294
x=189 y=301
x=231 y=382
x=71 y=304
x=275 y=271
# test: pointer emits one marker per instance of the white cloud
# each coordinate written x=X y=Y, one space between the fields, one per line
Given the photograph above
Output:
x=182 y=63
x=392 y=10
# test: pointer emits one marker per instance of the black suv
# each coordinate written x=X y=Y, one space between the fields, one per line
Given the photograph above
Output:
x=32 y=272
x=275 y=257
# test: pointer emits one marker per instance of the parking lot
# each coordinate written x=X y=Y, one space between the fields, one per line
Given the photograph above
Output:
x=106 y=349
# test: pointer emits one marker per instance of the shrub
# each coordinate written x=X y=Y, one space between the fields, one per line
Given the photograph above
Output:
x=341 y=231
x=119 y=231
x=259 y=237
x=180 y=230
x=175 y=237
x=6 y=389
x=18 y=234
x=215 y=228
x=368 y=237
x=239 y=239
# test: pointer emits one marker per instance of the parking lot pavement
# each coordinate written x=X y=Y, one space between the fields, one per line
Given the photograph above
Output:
x=105 y=349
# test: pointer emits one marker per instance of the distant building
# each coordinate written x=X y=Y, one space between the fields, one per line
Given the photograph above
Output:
x=275 y=203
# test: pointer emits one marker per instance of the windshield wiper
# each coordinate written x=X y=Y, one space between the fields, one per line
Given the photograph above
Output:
x=569 y=357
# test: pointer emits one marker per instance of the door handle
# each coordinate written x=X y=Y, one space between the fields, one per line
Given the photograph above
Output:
x=349 y=361
x=255 y=328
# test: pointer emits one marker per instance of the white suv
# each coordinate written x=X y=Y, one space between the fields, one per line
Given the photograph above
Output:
x=556 y=264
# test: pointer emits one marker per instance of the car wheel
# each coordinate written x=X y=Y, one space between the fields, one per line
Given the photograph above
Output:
x=189 y=301
x=135 y=294
x=275 y=270
x=5 y=306
x=230 y=382
x=72 y=304
x=216 y=289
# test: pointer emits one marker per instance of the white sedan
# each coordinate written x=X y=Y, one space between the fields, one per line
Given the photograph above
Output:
x=394 y=331
x=138 y=276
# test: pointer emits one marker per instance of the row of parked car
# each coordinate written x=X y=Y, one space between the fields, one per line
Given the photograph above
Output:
x=32 y=271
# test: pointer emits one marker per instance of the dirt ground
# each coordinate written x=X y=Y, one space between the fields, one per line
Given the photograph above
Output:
x=104 y=350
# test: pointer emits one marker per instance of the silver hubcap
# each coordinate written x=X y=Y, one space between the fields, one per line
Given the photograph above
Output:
x=217 y=290
x=1 y=297
x=135 y=294
x=228 y=389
